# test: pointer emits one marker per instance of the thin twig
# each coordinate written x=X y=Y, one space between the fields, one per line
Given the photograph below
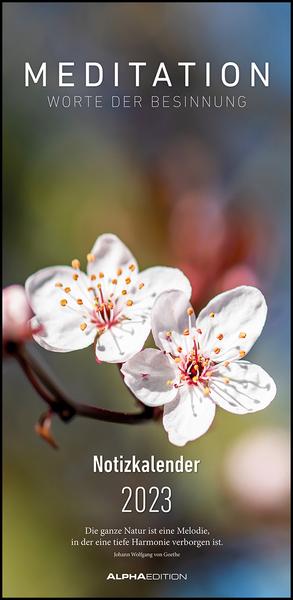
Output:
x=42 y=374
x=40 y=389
x=57 y=402
x=65 y=407
x=102 y=414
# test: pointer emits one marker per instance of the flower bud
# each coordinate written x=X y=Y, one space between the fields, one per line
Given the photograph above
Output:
x=16 y=314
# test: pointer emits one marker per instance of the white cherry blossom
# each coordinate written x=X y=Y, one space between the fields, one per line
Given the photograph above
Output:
x=198 y=365
x=109 y=306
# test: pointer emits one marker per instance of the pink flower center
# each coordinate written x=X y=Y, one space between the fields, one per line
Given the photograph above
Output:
x=195 y=368
x=99 y=304
x=105 y=313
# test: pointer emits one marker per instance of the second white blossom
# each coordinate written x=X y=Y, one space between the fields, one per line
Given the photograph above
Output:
x=198 y=365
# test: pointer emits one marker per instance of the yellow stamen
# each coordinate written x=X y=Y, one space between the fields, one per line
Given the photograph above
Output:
x=83 y=326
x=212 y=314
x=93 y=277
x=75 y=277
x=141 y=285
x=132 y=267
x=190 y=311
x=217 y=350
x=91 y=289
x=90 y=257
x=177 y=359
x=114 y=281
x=110 y=304
x=195 y=378
x=129 y=302
x=119 y=272
x=99 y=285
x=206 y=391
x=186 y=331
x=220 y=336
x=226 y=380
x=79 y=301
x=242 y=334
x=124 y=292
x=101 y=275
x=226 y=363
x=58 y=284
x=127 y=280
x=67 y=290
x=75 y=263
x=169 y=382
x=63 y=302
x=242 y=353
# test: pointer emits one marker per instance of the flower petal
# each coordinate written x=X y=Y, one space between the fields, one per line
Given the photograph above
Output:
x=169 y=314
x=231 y=323
x=157 y=280
x=142 y=291
x=64 y=335
x=148 y=374
x=189 y=416
x=110 y=254
x=44 y=292
x=121 y=342
x=60 y=324
x=242 y=387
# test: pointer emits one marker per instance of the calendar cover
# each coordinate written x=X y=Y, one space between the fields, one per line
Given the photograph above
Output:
x=146 y=299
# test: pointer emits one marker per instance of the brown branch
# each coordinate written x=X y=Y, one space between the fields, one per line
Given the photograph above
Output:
x=65 y=407
x=40 y=389
x=57 y=401
x=102 y=414
x=42 y=374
